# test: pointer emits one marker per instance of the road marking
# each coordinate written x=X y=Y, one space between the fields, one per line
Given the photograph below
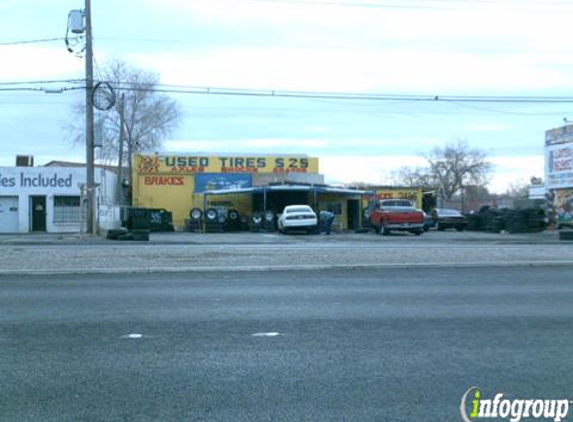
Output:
x=272 y=334
x=132 y=336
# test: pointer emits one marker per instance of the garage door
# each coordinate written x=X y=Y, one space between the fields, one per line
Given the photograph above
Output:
x=8 y=214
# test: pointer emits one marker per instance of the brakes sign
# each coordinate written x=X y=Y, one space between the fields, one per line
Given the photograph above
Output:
x=164 y=180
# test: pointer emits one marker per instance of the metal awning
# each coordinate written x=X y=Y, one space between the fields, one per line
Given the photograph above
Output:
x=283 y=188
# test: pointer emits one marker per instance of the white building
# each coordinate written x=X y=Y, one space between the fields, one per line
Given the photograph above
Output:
x=48 y=199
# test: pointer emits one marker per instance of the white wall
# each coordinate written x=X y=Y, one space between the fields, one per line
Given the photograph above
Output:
x=51 y=181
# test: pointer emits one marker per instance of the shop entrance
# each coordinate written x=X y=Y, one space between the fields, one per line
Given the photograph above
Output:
x=277 y=200
x=353 y=213
x=38 y=214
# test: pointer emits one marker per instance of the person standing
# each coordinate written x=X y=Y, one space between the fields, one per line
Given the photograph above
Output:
x=327 y=218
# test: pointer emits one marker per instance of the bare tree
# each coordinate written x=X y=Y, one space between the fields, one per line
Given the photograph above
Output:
x=450 y=169
x=148 y=116
x=457 y=165
x=412 y=177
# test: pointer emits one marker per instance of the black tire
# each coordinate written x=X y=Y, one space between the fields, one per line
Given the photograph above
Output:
x=257 y=218
x=441 y=227
x=127 y=236
x=385 y=231
x=460 y=228
x=377 y=229
x=113 y=234
x=418 y=232
x=140 y=232
x=269 y=216
x=233 y=215
x=211 y=214
x=195 y=214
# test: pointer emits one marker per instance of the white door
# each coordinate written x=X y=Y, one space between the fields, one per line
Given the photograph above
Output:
x=8 y=214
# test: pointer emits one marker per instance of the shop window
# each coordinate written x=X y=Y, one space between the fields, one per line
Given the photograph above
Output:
x=67 y=209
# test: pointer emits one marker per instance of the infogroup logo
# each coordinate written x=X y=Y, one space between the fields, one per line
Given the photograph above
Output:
x=474 y=407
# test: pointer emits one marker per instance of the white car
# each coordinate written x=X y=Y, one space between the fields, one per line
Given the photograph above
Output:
x=297 y=217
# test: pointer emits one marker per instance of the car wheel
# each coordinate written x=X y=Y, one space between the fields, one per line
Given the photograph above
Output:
x=377 y=229
x=385 y=231
x=460 y=228
x=441 y=227
x=418 y=232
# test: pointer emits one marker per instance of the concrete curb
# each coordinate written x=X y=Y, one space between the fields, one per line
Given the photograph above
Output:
x=278 y=268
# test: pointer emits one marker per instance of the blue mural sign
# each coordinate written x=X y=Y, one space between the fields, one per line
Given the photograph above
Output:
x=217 y=181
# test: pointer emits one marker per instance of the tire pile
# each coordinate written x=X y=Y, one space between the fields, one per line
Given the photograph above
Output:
x=519 y=220
x=215 y=221
x=137 y=226
x=264 y=221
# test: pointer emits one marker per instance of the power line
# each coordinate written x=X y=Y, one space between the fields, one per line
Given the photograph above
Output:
x=324 y=95
x=51 y=81
x=34 y=41
x=175 y=89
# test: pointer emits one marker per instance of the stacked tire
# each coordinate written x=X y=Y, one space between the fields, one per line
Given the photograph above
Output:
x=124 y=234
x=214 y=221
x=256 y=221
x=269 y=221
x=193 y=223
x=233 y=222
x=527 y=220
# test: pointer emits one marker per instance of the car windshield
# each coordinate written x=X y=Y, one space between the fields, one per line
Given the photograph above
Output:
x=447 y=212
x=298 y=209
x=396 y=204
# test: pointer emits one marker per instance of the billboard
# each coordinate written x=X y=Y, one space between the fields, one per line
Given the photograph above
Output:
x=190 y=164
x=559 y=165
x=559 y=135
x=564 y=207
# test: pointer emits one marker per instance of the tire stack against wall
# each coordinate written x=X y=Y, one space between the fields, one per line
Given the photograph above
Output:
x=527 y=220
x=256 y=222
x=137 y=226
x=269 y=223
x=519 y=220
x=194 y=222
x=214 y=221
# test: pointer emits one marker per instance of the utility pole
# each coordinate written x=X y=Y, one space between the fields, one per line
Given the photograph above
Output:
x=90 y=177
x=120 y=199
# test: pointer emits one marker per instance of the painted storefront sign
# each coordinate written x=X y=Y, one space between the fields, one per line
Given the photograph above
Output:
x=170 y=164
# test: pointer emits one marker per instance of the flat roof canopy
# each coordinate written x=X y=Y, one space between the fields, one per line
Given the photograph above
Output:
x=299 y=188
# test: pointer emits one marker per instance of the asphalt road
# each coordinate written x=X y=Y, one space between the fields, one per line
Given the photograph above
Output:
x=355 y=345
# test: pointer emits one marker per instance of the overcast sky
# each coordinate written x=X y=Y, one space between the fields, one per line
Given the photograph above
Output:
x=400 y=47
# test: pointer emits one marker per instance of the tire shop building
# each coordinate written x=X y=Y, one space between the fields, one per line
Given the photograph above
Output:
x=233 y=186
x=559 y=173
x=47 y=199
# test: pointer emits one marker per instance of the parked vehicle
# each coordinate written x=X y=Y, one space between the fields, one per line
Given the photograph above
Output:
x=397 y=215
x=445 y=218
x=297 y=217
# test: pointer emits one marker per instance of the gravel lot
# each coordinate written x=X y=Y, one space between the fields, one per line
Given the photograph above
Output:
x=241 y=251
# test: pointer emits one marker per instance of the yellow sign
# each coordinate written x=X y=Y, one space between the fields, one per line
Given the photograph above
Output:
x=411 y=194
x=183 y=164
